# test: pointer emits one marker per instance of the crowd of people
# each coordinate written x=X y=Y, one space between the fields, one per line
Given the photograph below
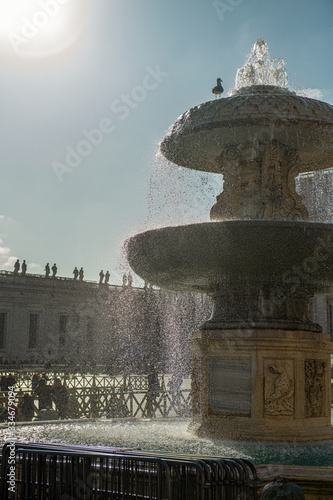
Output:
x=51 y=399
x=45 y=393
x=77 y=273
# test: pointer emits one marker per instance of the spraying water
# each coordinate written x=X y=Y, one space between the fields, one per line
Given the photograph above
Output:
x=261 y=69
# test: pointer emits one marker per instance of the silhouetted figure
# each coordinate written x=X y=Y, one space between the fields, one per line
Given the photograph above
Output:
x=47 y=364
x=153 y=382
x=3 y=412
x=130 y=279
x=24 y=268
x=117 y=406
x=54 y=270
x=47 y=270
x=76 y=273
x=3 y=384
x=153 y=390
x=11 y=381
x=81 y=274
x=112 y=404
x=34 y=381
x=43 y=392
x=107 y=277
x=218 y=89
x=60 y=397
x=101 y=276
x=124 y=280
x=26 y=408
x=17 y=267
x=175 y=383
x=123 y=410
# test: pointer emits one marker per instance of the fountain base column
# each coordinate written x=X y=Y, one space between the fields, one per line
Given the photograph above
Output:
x=270 y=385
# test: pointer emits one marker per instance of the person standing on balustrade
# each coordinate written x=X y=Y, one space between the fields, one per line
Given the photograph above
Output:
x=24 y=268
x=54 y=270
x=76 y=273
x=17 y=266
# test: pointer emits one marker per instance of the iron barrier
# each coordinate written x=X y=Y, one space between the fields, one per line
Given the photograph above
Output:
x=66 y=472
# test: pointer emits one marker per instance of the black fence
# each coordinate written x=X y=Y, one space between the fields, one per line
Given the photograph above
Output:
x=57 y=472
x=102 y=395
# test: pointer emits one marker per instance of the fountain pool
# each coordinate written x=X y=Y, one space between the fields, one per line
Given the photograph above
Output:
x=170 y=435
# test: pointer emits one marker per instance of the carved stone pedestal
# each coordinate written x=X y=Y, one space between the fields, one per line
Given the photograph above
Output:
x=271 y=385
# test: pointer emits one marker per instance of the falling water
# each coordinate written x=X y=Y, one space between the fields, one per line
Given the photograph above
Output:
x=316 y=189
x=179 y=195
x=180 y=318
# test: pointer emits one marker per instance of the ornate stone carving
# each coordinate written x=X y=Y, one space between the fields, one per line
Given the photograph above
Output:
x=259 y=183
x=262 y=112
x=279 y=388
x=315 y=390
x=280 y=200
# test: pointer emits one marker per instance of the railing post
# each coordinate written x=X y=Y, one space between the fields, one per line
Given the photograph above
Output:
x=93 y=399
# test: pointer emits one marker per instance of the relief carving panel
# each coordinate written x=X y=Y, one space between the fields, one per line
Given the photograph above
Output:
x=279 y=387
x=315 y=373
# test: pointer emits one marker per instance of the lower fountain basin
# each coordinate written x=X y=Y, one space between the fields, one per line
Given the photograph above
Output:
x=207 y=257
x=169 y=435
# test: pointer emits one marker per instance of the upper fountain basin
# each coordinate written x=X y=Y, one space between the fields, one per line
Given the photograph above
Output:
x=260 y=113
x=203 y=257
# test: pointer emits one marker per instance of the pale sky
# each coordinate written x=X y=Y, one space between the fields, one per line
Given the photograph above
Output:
x=89 y=88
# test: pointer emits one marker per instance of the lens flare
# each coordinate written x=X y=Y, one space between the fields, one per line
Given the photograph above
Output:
x=40 y=28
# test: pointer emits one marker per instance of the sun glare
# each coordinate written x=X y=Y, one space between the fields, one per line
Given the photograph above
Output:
x=40 y=28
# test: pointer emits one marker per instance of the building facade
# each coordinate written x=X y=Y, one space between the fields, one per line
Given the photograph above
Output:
x=72 y=321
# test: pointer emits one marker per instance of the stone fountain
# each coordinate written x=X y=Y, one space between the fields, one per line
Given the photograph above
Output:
x=261 y=367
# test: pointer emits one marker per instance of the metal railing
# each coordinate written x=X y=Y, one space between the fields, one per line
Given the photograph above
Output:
x=94 y=396
x=57 y=472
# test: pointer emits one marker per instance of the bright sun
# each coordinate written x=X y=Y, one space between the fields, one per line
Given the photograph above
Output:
x=40 y=28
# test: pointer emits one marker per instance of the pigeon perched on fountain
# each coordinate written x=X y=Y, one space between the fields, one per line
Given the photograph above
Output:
x=218 y=89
